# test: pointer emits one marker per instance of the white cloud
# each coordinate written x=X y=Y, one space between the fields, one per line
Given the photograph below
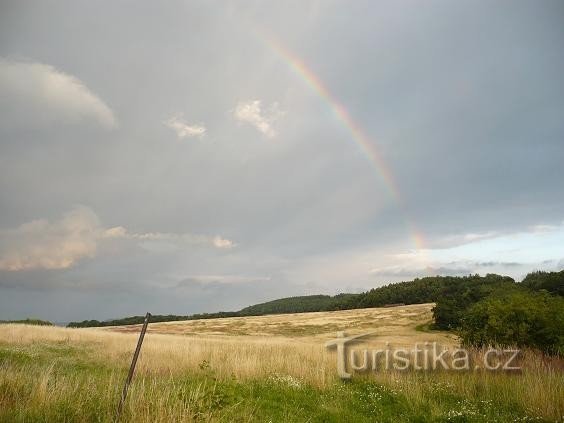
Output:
x=251 y=112
x=183 y=129
x=36 y=94
x=50 y=245
x=185 y=238
x=41 y=244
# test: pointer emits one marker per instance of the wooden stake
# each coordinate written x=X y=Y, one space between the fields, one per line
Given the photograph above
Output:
x=132 y=367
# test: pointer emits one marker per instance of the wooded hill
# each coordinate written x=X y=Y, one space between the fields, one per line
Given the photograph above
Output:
x=449 y=292
x=483 y=310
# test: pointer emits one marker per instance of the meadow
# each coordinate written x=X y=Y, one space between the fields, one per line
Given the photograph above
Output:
x=265 y=368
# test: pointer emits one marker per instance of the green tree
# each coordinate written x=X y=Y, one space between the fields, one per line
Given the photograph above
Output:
x=552 y=282
x=516 y=318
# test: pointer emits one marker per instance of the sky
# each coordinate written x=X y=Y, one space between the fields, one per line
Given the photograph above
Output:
x=198 y=156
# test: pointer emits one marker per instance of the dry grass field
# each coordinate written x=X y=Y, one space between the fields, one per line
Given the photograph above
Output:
x=256 y=369
x=394 y=324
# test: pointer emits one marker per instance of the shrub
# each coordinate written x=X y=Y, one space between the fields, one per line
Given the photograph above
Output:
x=518 y=317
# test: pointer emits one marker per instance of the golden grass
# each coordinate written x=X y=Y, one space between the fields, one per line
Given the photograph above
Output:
x=396 y=321
x=291 y=345
x=263 y=352
x=245 y=357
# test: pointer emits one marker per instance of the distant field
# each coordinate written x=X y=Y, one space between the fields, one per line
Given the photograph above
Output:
x=394 y=324
x=267 y=368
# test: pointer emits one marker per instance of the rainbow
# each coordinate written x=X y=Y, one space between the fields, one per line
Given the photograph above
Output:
x=369 y=149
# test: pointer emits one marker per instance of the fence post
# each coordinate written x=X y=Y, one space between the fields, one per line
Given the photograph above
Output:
x=132 y=367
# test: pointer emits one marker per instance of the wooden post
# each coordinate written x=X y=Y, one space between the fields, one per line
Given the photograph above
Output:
x=132 y=367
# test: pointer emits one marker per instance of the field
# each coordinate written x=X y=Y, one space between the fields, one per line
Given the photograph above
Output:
x=268 y=368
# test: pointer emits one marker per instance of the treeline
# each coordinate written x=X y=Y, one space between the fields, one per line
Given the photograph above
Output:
x=552 y=282
x=135 y=320
x=36 y=322
x=302 y=304
x=483 y=310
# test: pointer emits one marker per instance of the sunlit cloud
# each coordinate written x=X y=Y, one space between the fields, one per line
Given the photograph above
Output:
x=41 y=244
x=61 y=244
x=220 y=242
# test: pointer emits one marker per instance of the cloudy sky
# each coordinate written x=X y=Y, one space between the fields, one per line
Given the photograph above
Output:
x=194 y=156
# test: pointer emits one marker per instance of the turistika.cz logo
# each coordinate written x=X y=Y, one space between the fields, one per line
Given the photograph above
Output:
x=421 y=357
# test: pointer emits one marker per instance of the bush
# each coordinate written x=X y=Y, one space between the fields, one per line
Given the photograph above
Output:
x=516 y=318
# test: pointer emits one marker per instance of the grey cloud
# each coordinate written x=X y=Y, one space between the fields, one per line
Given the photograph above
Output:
x=410 y=273
x=452 y=268
x=469 y=122
x=203 y=280
x=505 y=264
x=37 y=94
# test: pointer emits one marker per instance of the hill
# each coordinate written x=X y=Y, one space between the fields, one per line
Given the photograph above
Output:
x=453 y=295
x=301 y=304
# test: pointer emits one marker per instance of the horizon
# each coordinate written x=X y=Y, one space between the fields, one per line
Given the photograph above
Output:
x=106 y=319
x=207 y=156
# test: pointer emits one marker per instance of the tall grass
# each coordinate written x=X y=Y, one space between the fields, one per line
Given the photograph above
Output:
x=58 y=374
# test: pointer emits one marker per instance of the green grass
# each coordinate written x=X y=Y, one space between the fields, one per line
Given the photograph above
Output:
x=60 y=381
